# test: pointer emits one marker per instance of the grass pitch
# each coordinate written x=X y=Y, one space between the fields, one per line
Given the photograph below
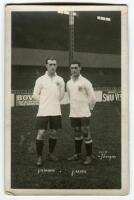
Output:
x=103 y=173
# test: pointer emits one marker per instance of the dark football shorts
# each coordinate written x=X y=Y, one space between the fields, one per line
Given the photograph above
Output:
x=51 y=122
x=79 y=122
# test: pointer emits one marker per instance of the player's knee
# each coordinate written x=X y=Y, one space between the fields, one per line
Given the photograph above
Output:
x=77 y=132
x=78 y=135
x=53 y=134
x=40 y=134
x=77 y=129
x=86 y=132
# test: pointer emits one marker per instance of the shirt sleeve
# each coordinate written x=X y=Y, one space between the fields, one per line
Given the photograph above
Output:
x=37 y=90
x=62 y=89
x=68 y=93
x=91 y=95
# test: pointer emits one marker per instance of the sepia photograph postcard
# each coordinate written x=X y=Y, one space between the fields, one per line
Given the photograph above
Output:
x=66 y=99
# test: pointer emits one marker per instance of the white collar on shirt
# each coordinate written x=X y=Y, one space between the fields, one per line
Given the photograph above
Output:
x=46 y=74
x=80 y=76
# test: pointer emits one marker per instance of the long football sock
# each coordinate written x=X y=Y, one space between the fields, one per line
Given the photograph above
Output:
x=78 y=143
x=88 y=146
x=52 y=144
x=39 y=147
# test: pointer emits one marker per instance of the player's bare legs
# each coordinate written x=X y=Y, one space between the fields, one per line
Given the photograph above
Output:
x=40 y=145
x=52 y=144
x=78 y=142
x=88 y=144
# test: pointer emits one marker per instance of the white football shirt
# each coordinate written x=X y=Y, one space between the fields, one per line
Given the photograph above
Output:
x=49 y=91
x=82 y=97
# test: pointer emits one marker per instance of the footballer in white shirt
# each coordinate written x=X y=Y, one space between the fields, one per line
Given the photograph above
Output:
x=82 y=101
x=49 y=90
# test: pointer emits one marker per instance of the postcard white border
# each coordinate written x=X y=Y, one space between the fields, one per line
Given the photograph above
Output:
x=124 y=66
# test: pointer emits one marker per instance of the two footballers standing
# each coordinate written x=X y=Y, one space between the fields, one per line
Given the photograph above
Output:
x=49 y=90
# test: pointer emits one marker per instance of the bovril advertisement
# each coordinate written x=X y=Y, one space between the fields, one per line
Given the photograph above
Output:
x=25 y=100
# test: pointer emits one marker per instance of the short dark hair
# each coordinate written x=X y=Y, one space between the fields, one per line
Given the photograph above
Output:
x=49 y=58
x=76 y=62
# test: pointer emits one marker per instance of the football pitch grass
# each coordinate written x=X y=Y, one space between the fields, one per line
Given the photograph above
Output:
x=104 y=171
